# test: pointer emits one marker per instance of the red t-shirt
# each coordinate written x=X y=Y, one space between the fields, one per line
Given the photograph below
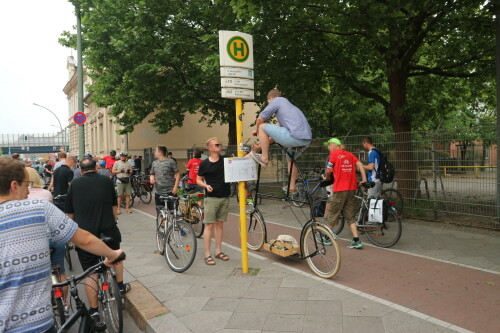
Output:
x=343 y=164
x=110 y=161
x=193 y=166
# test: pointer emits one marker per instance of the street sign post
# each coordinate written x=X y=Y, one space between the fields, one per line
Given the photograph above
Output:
x=236 y=61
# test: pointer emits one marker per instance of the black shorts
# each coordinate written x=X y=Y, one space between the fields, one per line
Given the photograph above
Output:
x=88 y=260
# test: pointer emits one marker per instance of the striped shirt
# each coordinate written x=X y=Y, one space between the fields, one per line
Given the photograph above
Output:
x=25 y=287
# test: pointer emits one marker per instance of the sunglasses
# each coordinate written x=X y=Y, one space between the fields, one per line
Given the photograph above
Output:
x=218 y=145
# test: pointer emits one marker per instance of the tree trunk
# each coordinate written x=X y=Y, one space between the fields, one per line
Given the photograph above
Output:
x=401 y=121
x=231 y=135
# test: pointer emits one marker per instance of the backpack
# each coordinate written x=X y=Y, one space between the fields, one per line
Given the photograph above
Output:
x=385 y=171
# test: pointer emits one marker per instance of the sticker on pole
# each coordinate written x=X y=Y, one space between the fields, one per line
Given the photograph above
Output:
x=79 y=118
x=235 y=49
x=239 y=169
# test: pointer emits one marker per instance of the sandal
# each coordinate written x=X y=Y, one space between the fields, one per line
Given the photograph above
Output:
x=222 y=256
x=209 y=261
x=129 y=211
x=119 y=212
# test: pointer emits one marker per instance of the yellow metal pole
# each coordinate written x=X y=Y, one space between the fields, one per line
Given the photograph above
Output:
x=242 y=191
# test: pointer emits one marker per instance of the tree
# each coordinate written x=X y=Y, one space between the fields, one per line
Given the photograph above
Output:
x=391 y=52
x=156 y=57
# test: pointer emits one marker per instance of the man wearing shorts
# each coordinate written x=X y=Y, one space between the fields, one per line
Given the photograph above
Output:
x=122 y=169
x=211 y=178
x=372 y=167
x=294 y=131
x=343 y=166
x=92 y=204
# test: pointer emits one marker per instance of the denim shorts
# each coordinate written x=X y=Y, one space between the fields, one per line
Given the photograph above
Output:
x=282 y=136
x=57 y=257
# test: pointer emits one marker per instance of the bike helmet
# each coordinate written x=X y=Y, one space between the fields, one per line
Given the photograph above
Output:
x=123 y=153
x=102 y=164
x=87 y=155
x=112 y=153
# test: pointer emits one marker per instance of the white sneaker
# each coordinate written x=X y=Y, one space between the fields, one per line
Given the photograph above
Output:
x=258 y=158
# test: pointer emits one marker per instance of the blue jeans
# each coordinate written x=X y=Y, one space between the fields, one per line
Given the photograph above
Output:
x=57 y=258
x=282 y=136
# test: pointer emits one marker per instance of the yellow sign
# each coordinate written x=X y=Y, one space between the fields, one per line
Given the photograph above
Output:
x=237 y=49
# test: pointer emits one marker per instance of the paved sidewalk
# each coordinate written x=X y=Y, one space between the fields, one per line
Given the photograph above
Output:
x=276 y=298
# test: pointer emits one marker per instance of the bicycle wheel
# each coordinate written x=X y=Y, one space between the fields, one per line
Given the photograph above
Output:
x=319 y=207
x=145 y=195
x=180 y=246
x=299 y=197
x=160 y=233
x=67 y=255
x=234 y=189
x=387 y=233
x=197 y=219
x=256 y=230
x=58 y=310
x=111 y=303
x=394 y=199
x=323 y=259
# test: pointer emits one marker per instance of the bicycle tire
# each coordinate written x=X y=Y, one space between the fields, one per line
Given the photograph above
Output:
x=328 y=255
x=394 y=199
x=234 y=189
x=391 y=228
x=67 y=255
x=112 y=304
x=180 y=249
x=256 y=230
x=124 y=203
x=145 y=195
x=319 y=207
x=196 y=214
x=58 y=309
x=161 y=224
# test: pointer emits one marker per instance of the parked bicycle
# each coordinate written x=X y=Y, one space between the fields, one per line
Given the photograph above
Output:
x=140 y=190
x=190 y=209
x=384 y=234
x=175 y=238
x=303 y=190
x=109 y=296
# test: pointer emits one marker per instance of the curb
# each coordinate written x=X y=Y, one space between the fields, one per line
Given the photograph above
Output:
x=143 y=305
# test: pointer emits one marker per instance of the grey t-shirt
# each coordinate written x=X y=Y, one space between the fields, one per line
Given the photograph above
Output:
x=164 y=171
x=289 y=116
x=104 y=172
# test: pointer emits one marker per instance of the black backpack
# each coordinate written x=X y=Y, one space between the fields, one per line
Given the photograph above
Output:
x=385 y=171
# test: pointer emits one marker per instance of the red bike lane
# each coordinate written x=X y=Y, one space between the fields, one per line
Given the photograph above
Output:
x=462 y=296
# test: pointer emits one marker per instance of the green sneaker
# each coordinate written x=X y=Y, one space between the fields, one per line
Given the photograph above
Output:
x=355 y=245
x=323 y=239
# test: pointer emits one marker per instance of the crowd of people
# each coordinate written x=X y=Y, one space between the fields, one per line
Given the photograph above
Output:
x=81 y=202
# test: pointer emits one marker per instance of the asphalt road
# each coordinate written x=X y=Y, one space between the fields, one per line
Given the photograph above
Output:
x=128 y=323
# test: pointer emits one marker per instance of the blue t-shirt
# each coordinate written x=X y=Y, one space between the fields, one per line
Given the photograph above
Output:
x=373 y=157
x=289 y=116
x=25 y=286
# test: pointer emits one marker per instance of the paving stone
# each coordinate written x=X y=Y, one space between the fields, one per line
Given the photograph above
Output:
x=255 y=306
x=206 y=321
x=247 y=320
x=230 y=330
x=222 y=304
x=169 y=291
x=328 y=293
x=319 y=323
x=273 y=282
x=168 y=323
x=215 y=291
x=283 y=322
x=261 y=292
x=289 y=307
x=155 y=280
x=362 y=324
x=293 y=293
x=186 y=305
x=397 y=321
x=144 y=270
x=360 y=306
x=324 y=308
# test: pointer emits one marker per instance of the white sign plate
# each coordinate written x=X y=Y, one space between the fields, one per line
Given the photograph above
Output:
x=243 y=73
x=235 y=49
x=237 y=93
x=239 y=169
x=226 y=82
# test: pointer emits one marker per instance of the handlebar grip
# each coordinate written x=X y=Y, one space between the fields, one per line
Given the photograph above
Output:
x=121 y=257
x=368 y=185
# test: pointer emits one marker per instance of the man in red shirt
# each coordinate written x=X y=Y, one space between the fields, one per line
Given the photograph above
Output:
x=110 y=160
x=343 y=164
x=193 y=166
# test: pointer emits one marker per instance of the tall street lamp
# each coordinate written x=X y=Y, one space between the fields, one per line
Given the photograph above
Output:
x=43 y=107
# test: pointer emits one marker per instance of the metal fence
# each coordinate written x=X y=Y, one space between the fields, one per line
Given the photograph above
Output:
x=34 y=139
x=442 y=175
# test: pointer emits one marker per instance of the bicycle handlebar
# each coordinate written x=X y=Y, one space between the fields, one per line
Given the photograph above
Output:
x=60 y=196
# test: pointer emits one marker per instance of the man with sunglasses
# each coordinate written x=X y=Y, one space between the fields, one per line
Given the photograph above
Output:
x=26 y=227
x=211 y=178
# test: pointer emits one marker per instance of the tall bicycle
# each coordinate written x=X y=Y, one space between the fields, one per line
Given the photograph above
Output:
x=322 y=257
x=175 y=238
x=384 y=234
